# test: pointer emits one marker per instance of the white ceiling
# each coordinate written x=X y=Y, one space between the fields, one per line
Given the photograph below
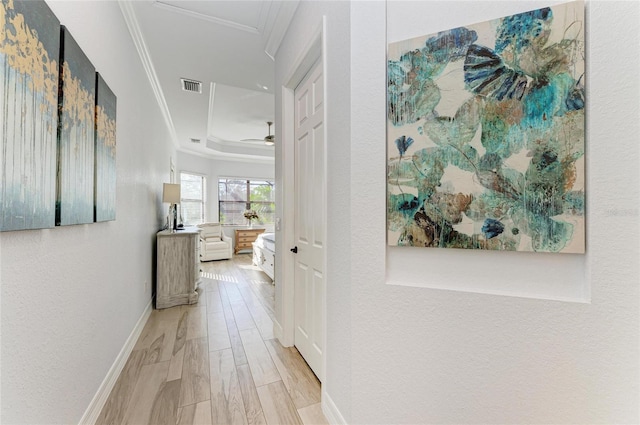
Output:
x=228 y=46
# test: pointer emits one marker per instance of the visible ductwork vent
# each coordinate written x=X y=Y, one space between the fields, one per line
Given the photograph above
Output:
x=191 y=85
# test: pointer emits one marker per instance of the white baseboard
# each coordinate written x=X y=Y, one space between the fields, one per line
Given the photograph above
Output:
x=330 y=410
x=277 y=330
x=95 y=407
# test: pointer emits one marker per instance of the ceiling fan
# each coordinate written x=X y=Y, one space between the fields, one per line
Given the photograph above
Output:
x=268 y=140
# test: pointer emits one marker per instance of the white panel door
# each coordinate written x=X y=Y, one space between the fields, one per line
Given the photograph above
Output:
x=310 y=218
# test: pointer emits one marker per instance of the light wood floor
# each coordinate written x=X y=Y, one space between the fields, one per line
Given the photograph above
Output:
x=216 y=362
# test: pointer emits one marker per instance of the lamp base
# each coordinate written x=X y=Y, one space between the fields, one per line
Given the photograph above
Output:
x=172 y=218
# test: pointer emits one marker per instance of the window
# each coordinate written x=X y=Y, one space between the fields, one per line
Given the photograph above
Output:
x=192 y=199
x=235 y=195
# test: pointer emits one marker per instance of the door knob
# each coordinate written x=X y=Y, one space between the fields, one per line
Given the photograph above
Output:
x=294 y=250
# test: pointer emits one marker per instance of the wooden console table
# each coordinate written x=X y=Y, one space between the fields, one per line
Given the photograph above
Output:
x=245 y=239
x=178 y=268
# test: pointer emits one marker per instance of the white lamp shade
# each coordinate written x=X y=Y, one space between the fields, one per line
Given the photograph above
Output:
x=171 y=193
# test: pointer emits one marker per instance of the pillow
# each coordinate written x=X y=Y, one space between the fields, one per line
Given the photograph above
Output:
x=209 y=229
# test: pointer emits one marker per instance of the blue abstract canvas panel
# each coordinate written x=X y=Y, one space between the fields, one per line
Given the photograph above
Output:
x=76 y=139
x=29 y=54
x=485 y=135
x=105 y=134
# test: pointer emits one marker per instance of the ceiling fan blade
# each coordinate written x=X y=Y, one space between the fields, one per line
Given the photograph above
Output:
x=269 y=139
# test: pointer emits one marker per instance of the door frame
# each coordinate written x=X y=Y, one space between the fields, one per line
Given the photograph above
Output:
x=314 y=50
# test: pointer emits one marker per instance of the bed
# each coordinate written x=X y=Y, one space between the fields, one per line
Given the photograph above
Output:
x=264 y=252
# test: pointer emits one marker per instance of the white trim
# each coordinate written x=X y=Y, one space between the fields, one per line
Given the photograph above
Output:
x=326 y=123
x=90 y=415
x=301 y=66
x=209 y=18
x=330 y=410
x=212 y=99
x=129 y=14
x=269 y=179
x=279 y=28
x=285 y=273
x=277 y=330
x=314 y=51
x=228 y=157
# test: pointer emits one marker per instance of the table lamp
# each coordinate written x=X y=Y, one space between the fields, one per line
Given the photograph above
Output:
x=171 y=195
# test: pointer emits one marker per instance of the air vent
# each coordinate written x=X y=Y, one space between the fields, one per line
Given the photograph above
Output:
x=195 y=140
x=191 y=85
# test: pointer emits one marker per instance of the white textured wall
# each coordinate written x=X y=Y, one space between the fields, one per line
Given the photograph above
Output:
x=424 y=355
x=413 y=354
x=308 y=18
x=72 y=295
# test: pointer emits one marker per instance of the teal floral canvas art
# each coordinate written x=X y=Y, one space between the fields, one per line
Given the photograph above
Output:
x=485 y=135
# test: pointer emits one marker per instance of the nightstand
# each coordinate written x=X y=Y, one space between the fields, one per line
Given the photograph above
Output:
x=245 y=238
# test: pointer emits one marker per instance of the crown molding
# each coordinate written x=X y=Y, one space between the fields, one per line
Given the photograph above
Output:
x=238 y=148
x=219 y=156
x=130 y=18
x=281 y=25
x=210 y=18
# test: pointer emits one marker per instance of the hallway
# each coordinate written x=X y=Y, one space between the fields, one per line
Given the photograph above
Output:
x=216 y=362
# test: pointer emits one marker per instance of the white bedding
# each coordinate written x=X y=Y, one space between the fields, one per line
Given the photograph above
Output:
x=267 y=241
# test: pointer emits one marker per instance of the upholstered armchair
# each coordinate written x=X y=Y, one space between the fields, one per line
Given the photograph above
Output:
x=214 y=243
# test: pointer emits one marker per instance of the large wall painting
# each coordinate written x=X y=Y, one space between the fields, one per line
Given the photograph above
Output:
x=29 y=53
x=76 y=141
x=485 y=128
x=105 y=175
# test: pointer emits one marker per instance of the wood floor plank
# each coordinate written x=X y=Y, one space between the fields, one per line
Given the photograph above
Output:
x=212 y=296
x=177 y=357
x=312 y=415
x=218 y=334
x=197 y=323
x=195 y=414
x=224 y=298
x=206 y=284
x=253 y=303
x=147 y=335
x=277 y=405
x=165 y=405
x=242 y=294
x=159 y=335
x=236 y=343
x=149 y=383
x=156 y=326
x=234 y=335
x=176 y=365
x=241 y=313
x=116 y=405
x=226 y=398
x=155 y=350
x=252 y=406
x=181 y=331
x=195 y=372
x=262 y=368
x=232 y=290
x=260 y=317
x=243 y=317
x=258 y=382
x=302 y=384
x=265 y=292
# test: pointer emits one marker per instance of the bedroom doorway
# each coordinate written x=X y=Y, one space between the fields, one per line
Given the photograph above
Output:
x=309 y=210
